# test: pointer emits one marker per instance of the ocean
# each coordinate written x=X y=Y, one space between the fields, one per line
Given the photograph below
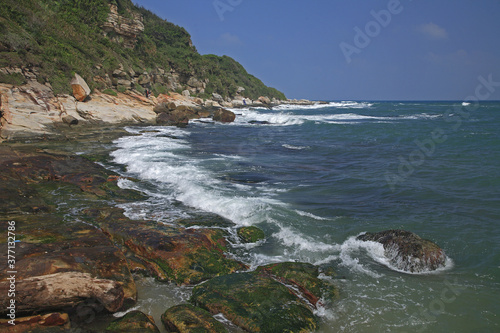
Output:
x=315 y=177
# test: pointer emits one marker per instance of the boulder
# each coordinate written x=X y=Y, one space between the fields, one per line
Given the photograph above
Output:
x=134 y=321
x=171 y=106
x=224 y=116
x=80 y=88
x=240 y=90
x=195 y=83
x=264 y=100
x=186 y=93
x=274 y=298
x=407 y=251
x=70 y=120
x=144 y=79
x=186 y=318
x=161 y=107
x=61 y=290
x=173 y=118
x=217 y=97
x=203 y=114
x=250 y=234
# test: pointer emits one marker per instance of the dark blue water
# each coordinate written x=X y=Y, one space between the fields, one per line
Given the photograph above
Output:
x=313 y=178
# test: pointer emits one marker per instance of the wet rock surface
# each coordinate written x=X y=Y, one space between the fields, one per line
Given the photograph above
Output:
x=251 y=234
x=133 y=322
x=186 y=318
x=408 y=251
x=274 y=298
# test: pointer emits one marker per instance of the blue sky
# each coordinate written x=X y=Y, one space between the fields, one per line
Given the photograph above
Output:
x=351 y=49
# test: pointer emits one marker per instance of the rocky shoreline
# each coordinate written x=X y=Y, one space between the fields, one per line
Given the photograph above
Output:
x=78 y=256
x=32 y=111
x=76 y=252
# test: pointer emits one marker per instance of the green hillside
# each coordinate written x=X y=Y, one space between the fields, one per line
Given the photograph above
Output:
x=60 y=37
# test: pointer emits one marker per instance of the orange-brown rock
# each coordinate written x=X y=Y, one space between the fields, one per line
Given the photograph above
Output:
x=80 y=88
x=38 y=323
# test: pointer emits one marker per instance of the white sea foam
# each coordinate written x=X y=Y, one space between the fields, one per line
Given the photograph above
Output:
x=253 y=117
x=292 y=147
x=306 y=214
x=298 y=241
x=159 y=157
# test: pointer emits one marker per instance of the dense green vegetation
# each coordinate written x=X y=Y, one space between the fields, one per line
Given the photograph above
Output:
x=61 y=37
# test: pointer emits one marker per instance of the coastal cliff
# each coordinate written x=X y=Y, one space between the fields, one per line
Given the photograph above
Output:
x=128 y=60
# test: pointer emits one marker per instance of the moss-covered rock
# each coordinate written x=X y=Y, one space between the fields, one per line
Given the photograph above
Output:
x=264 y=300
x=408 y=251
x=250 y=234
x=186 y=318
x=185 y=256
x=133 y=322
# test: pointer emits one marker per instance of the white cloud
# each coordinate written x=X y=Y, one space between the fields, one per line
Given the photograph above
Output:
x=432 y=31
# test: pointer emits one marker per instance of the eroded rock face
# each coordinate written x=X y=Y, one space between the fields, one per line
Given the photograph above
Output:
x=261 y=301
x=407 y=251
x=125 y=27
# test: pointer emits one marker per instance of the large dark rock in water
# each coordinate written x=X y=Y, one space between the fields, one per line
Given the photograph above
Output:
x=273 y=298
x=224 y=116
x=173 y=118
x=407 y=251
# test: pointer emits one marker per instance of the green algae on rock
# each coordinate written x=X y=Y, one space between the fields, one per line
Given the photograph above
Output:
x=133 y=322
x=186 y=318
x=273 y=298
x=185 y=256
x=250 y=234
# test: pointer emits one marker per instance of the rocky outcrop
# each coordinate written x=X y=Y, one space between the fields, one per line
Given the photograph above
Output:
x=134 y=321
x=124 y=28
x=186 y=318
x=407 y=251
x=264 y=300
x=224 y=116
x=32 y=110
x=173 y=118
x=184 y=256
x=80 y=88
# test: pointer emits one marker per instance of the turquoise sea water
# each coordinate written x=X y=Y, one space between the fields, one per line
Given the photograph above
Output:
x=313 y=178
